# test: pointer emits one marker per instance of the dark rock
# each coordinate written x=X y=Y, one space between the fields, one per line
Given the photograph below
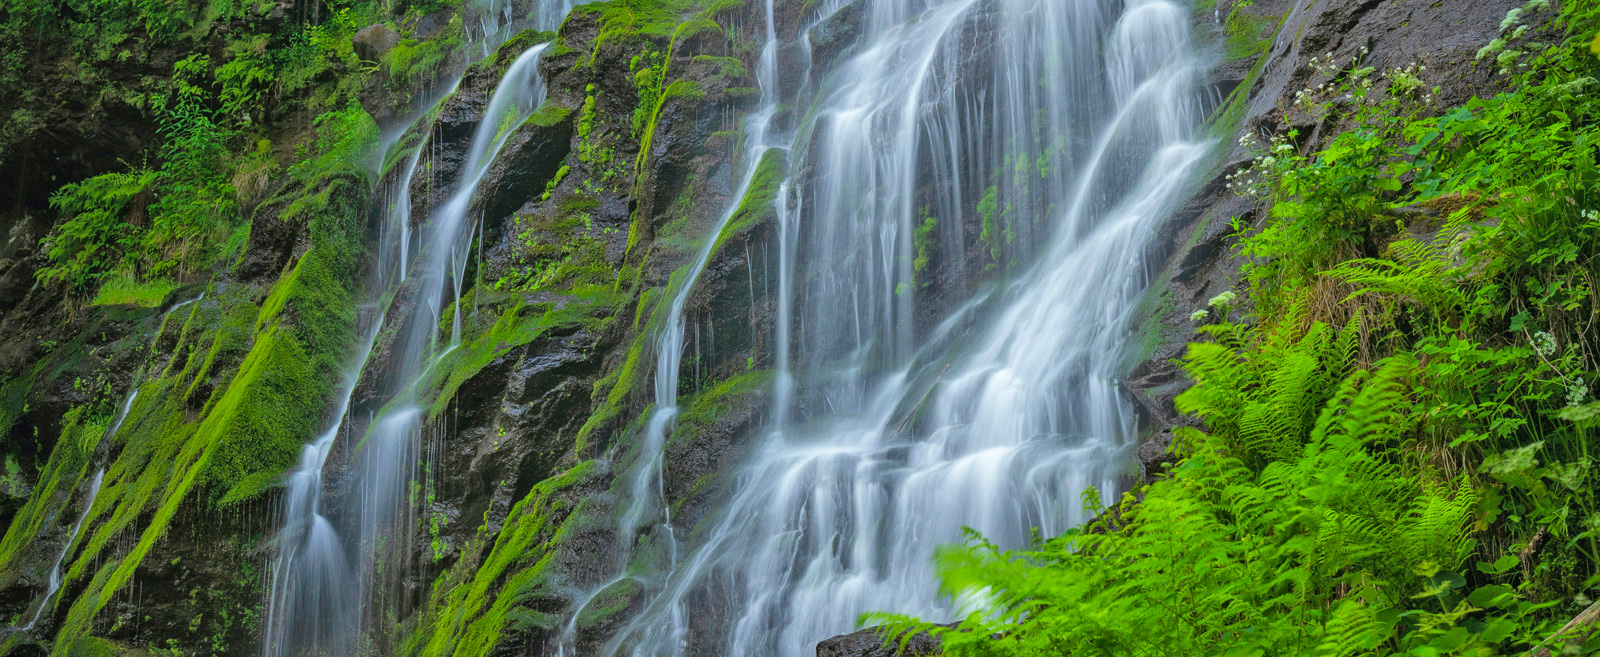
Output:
x=528 y=161
x=373 y=41
x=834 y=36
x=870 y=643
x=431 y=25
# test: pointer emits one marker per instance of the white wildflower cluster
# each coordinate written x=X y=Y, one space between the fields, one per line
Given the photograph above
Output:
x=1407 y=81
x=1591 y=215
x=1223 y=300
x=1329 y=67
x=1543 y=343
x=1571 y=88
x=1577 y=392
x=1199 y=315
x=1512 y=18
x=1251 y=179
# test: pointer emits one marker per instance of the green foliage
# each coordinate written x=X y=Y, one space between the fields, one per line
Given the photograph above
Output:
x=96 y=238
x=413 y=62
x=924 y=241
x=1343 y=544
x=989 y=230
x=119 y=291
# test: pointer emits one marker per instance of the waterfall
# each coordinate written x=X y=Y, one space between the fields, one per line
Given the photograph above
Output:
x=1074 y=136
x=328 y=575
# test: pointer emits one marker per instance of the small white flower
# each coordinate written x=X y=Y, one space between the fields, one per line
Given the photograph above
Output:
x=1543 y=343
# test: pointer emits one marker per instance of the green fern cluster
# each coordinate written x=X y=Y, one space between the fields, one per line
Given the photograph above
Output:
x=1337 y=546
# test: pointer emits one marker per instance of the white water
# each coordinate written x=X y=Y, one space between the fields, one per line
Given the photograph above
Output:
x=888 y=443
x=329 y=582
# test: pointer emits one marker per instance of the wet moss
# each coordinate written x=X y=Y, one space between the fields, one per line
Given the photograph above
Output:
x=502 y=57
x=547 y=115
x=711 y=406
x=608 y=603
x=519 y=324
x=760 y=200
x=473 y=604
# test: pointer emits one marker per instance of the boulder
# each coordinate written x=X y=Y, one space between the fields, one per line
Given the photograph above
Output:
x=373 y=41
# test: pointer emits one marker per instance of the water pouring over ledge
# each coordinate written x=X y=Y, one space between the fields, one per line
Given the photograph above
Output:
x=1015 y=398
x=325 y=582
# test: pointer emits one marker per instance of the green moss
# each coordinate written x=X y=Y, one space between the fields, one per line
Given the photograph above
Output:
x=517 y=325
x=988 y=234
x=547 y=115
x=609 y=602
x=93 y=646
x=1245 y=34
x=924 y=241
x=550 y=187
x=760 y=200
x=124 y=290
x=63 y=471
x=508 y=52
x=711 y=406
x=241 y=440
x=473 y=604
x=411 y=62
x=730 y=67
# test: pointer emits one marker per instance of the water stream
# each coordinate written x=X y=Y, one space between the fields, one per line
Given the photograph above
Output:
x=329 y=578
x=55 y=568
x=1076 y=130
x=645 y=487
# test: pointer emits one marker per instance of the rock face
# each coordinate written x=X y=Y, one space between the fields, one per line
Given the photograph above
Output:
x=374 y=41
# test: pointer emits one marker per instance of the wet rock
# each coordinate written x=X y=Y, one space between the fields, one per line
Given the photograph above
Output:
x=373 y=41
x=870 y=643
x=431 y=25
x=836 y=35
x=530 y=159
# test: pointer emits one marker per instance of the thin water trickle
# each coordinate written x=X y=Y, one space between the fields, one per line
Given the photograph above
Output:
x=55 y=579
x=54 y=582
x=1073 y=136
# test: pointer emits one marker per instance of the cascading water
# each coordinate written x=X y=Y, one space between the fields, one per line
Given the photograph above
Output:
x=645 y=486
x=325 y=576
x=883 y=448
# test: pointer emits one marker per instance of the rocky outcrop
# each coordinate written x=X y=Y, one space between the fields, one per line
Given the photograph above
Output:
x=870 y=643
